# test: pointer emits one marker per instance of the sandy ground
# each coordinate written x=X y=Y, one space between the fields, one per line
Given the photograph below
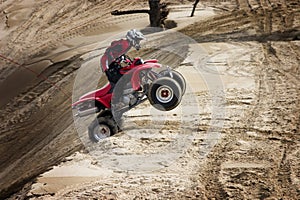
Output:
x=234 y=136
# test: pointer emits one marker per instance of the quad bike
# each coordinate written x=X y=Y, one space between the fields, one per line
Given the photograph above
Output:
x=141 y=80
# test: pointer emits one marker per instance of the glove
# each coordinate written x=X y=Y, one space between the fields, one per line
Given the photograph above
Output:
x=120 y=58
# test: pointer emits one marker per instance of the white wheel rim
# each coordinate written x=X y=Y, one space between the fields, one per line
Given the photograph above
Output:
x=164 y=94
x=101 y=131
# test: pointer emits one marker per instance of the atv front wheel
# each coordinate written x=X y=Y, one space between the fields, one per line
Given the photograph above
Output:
x=165 y=94
x=102 y=127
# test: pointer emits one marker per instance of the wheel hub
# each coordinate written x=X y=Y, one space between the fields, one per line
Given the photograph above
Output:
x=164 y=94
x=102 y=132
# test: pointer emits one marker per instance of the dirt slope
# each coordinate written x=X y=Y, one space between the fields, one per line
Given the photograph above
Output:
x=254 y=155
x=41 y=45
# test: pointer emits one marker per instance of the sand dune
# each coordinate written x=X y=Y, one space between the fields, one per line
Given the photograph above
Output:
x=234 y=136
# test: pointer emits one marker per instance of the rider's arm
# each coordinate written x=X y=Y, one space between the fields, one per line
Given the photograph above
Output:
x=104 y=63
x=116 y=49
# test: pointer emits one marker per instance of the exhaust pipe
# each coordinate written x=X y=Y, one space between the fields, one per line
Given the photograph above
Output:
x=87 y=112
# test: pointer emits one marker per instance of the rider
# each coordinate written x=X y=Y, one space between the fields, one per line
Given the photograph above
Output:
x=109 y=64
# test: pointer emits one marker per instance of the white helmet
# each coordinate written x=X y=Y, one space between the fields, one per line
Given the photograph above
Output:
x=135 y=37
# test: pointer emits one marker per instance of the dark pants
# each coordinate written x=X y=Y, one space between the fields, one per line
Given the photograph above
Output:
x=113 y=74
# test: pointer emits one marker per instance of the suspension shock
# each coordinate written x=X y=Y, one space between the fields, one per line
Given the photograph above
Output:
x=152 y=75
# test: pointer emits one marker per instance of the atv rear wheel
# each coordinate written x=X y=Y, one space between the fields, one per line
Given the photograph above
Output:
x=177 y=77
x=165 y=94
x=102 y=127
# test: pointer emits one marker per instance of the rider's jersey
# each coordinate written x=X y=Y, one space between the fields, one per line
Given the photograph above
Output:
x=116 y=49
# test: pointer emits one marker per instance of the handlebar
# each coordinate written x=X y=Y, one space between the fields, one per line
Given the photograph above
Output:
x=123 y=58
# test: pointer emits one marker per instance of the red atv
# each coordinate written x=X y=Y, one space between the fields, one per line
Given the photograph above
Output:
x=141 y=80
